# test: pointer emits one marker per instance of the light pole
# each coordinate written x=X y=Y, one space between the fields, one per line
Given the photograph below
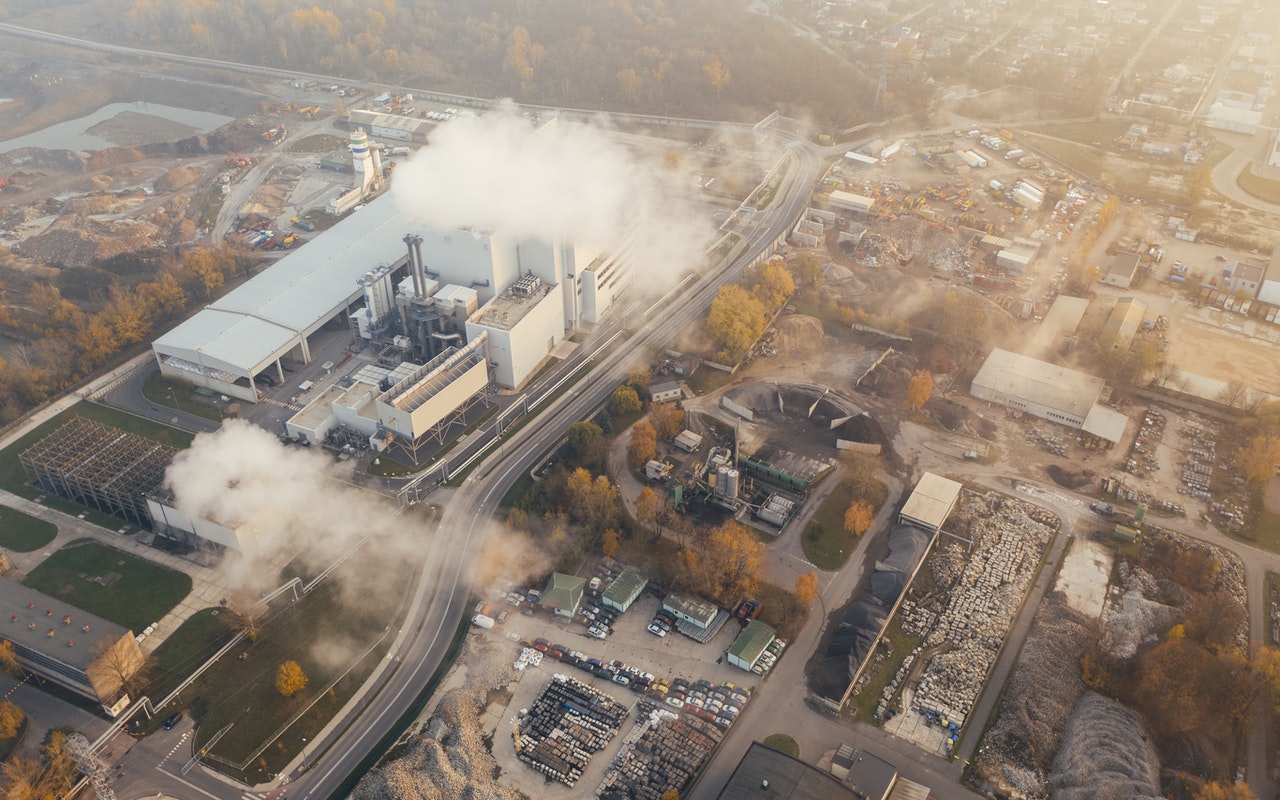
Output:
x=174 y=398
x=304 y=754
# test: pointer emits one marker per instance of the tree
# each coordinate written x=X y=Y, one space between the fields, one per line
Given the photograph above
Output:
x=586 y=443
x=624 y=400
x=290 y=679
x=862 y=472
x=667 y=420
x=518 y=520
x=11 y=718
x=807 y=588
x=773 y=285
x=9 y=659
x=718 y=74
x=859 y=517
x=119 y=665
x=610 y=542
x=644 y=444
x=919 y=388
x=671 y=794
x=591 y=501
x=1259 y=458
x=730 y=564
x=1225 y=791
x=649 y=511
x=807 y=270
x=639 y=375
x=736 y=320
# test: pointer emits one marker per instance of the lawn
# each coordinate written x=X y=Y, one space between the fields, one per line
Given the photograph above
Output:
x=113 y=584
x=14 y=480
x=784 y=743
x=317 y=143
x=864 y=702
x=337 y=643
x=1261 y=188
x=23 y=533
x=187 y=648
x=825 y=541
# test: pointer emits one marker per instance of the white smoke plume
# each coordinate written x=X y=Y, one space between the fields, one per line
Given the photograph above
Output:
x=241 y=475
x=566 y=180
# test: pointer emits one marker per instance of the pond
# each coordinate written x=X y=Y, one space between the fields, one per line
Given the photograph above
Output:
x=72 y=134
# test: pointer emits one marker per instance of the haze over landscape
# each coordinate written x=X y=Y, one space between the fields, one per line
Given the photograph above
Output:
x=639 y=400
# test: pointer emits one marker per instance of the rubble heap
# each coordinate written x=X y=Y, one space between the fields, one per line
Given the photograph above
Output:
x=1106 y=752
x=449 y=760
x=1007 y=546
x=1018 y=748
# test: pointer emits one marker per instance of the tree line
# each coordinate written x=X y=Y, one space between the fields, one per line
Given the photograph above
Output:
x=62 y=343
x=699 y=57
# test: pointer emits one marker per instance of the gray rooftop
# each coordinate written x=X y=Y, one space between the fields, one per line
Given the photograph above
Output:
x=30 y=615
x=788 y=779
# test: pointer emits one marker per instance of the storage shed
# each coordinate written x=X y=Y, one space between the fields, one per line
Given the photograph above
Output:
x=750 y=644
x=624 y=589
x=932 y=500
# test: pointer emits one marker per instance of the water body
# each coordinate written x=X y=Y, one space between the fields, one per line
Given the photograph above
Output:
x=70 y=135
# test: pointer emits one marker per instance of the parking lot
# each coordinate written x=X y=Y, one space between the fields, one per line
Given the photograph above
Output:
x=667 y=659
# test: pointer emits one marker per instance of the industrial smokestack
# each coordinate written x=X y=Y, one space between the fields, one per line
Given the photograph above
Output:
x=413 y=241
x=422 y=264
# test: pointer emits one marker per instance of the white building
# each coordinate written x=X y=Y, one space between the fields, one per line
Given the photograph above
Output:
x=171 y=523
x=346 y=273
x=847 y=201
x=1048 y=391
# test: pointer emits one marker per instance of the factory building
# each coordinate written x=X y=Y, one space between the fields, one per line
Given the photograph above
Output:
x=930 y=503
x=390 y=126
x=847 y=201
x=1125 y=321
x=440 y=286
x=773 y=775
x=1048 y=391
x=197 y=533
x=1121 y=270
x=80 y=652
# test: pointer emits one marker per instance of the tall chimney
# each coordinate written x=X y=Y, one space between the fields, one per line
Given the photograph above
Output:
x=415 y=263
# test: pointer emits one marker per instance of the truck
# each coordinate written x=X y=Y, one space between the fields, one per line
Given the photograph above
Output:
x=1014 y=154
x=483 y=621
x=303 y=225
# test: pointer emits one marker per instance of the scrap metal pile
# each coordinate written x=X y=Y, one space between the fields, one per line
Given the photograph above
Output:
x=1009 y=538
x=662 y=752
x=567 y=724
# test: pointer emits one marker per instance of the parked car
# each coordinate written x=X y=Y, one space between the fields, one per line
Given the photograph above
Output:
x=541 y=645
x=172 y=719
x=620 y=679
x=656 y=629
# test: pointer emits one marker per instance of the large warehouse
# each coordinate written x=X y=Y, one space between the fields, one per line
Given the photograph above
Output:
x=360 y=273
x=1048 y=391
x=82 y=653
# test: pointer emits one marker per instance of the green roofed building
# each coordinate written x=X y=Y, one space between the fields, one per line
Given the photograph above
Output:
x=750 y=644
x=625 y=589
x=563 y=594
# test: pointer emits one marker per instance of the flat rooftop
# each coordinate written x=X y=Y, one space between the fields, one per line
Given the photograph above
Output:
x=932 y=500
x=32 y=615
x=505 y=311
x=1039 y=382
x=787 y=778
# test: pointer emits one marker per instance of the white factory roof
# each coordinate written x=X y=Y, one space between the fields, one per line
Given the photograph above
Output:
x=1269 y=293
x=931 y=501
x=1039 y=382
x=1105 y=423
x=268 y=313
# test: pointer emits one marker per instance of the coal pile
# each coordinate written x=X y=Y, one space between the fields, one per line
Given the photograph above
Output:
x=567 y=724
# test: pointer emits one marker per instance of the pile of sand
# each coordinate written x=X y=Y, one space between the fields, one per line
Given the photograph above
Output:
x=176 y=178
x=113 y=156
x=800 y=333
x=75 y=241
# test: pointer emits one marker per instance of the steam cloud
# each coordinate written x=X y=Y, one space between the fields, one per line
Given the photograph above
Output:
x=241 y=475
x=564 y=181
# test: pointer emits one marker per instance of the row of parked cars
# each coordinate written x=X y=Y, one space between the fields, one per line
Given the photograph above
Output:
x=662 y=623
x=600 y=620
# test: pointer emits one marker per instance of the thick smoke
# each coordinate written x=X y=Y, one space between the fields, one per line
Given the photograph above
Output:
x=568 y=181
x=242 y=476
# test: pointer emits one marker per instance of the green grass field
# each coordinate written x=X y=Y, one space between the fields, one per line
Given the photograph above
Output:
x=331 y=637
x=825 y=541
x=111 y=583
x=190 y=646
x=23 y=533
x=1102 y=133
x=14 y=480
x=1261 y=188
x=783 y=743
x=172 y=394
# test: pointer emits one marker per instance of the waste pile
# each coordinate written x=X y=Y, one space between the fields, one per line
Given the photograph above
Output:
x=1009 y=538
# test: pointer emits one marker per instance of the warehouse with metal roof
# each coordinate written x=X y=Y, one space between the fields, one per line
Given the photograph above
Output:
x=624 y=589
x=250 y=329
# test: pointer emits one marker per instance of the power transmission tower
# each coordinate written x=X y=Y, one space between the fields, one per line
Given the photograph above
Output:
x=91 y=765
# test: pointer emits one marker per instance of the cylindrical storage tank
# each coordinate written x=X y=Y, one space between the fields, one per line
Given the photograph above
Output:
x=728 y=484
